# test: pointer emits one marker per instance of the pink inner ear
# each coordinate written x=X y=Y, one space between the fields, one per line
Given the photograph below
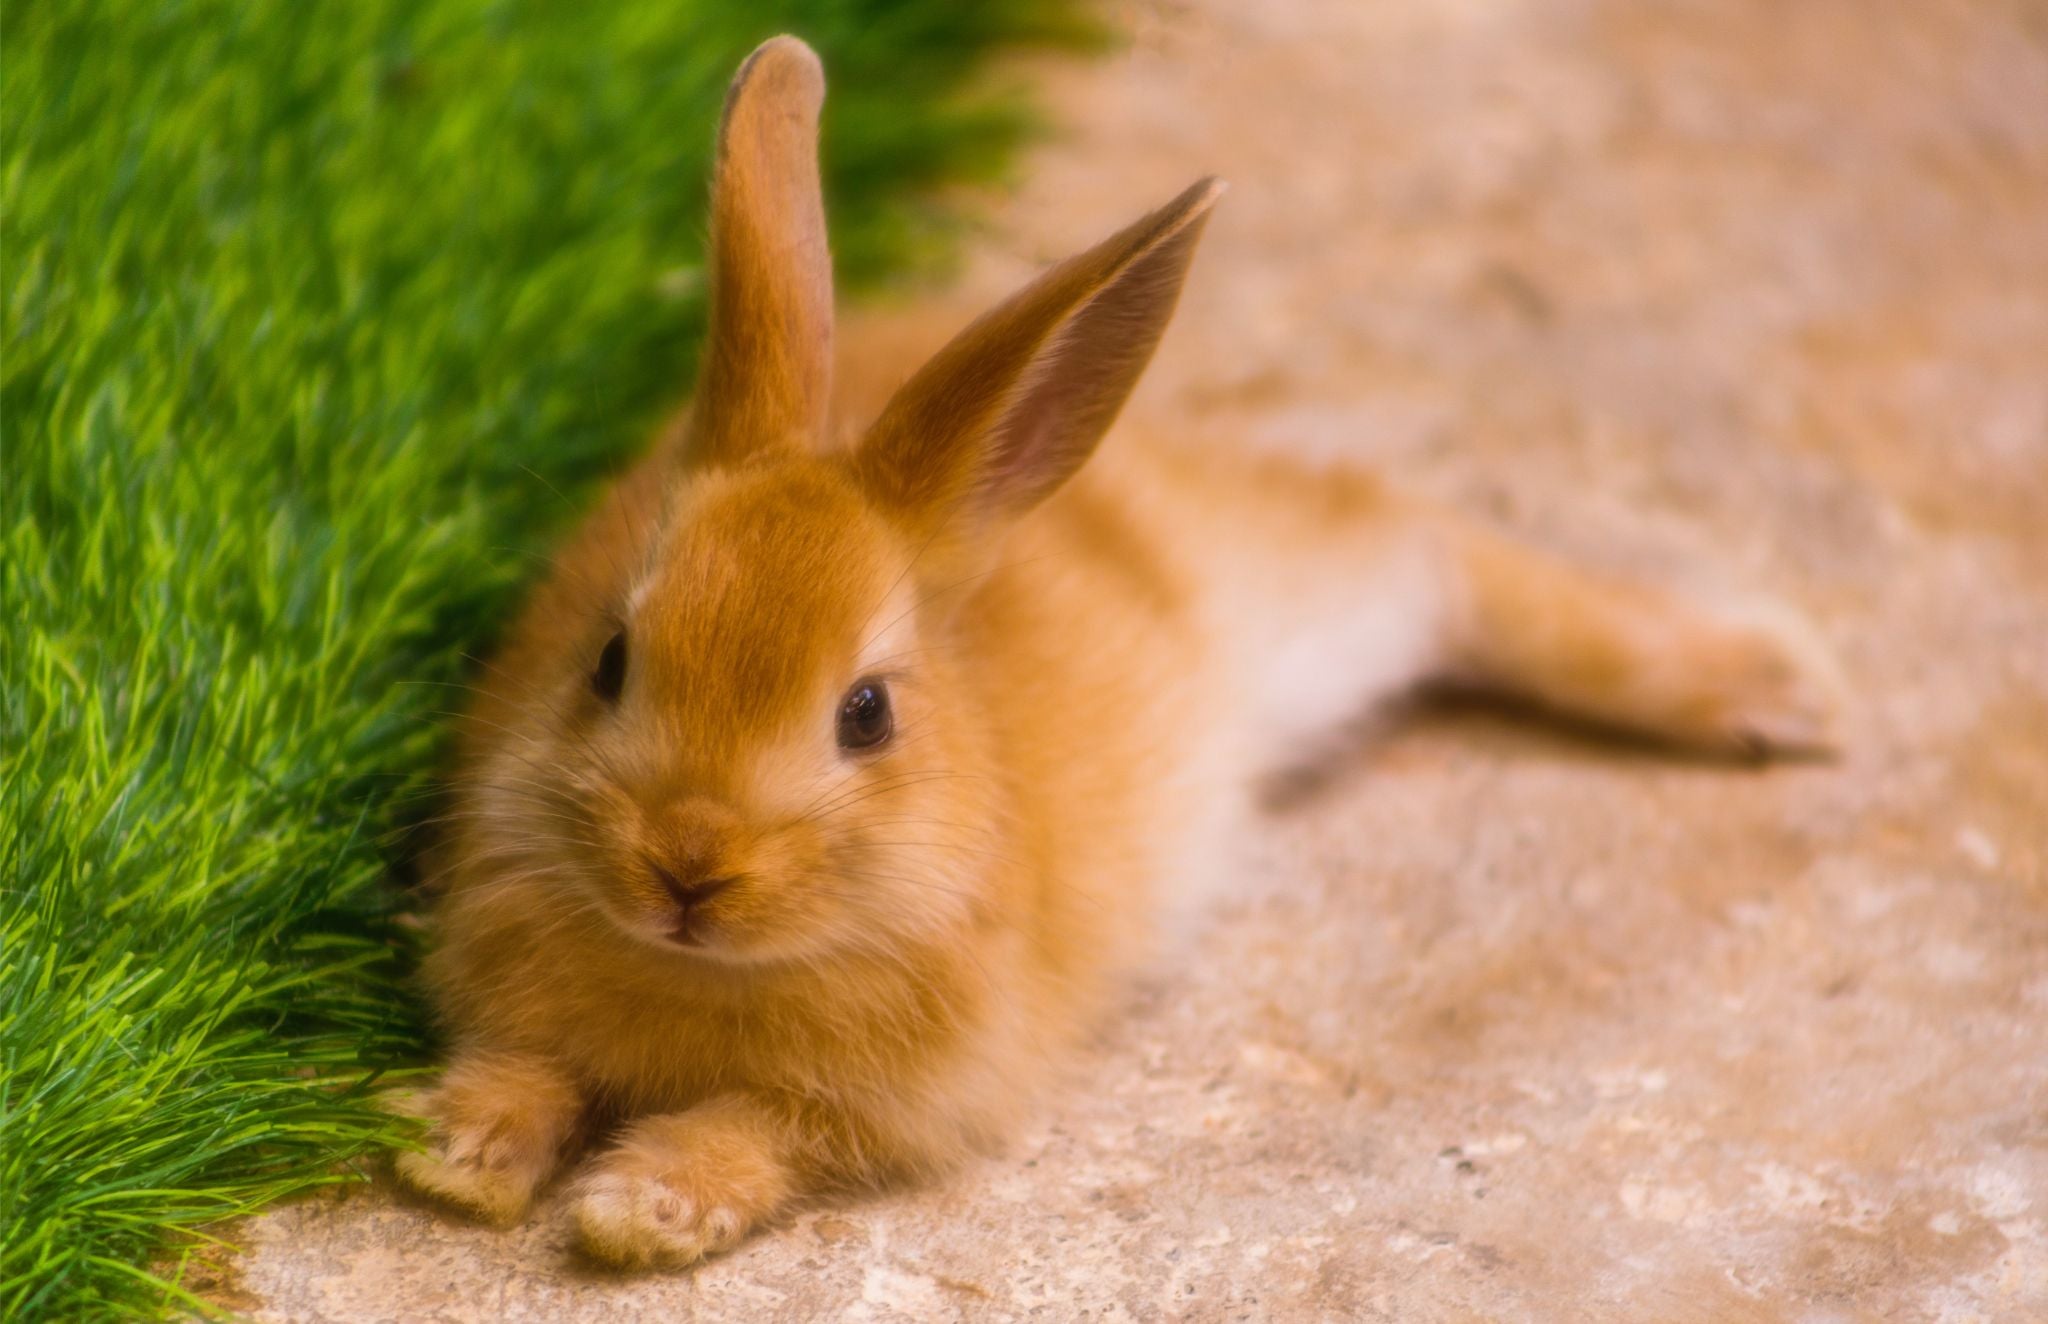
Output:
x=1077 y=382
x=1024 y=441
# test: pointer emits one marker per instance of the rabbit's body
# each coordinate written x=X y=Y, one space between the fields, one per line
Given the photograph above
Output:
x=782 y=966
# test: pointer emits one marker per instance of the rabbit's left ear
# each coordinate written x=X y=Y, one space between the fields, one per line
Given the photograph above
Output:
x=767 y=358
x=1017 y=402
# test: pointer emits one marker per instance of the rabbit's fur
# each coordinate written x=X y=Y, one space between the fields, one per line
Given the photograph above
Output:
x=773 y=966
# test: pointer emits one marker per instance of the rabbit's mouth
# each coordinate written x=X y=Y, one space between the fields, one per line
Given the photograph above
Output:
x=688 y=931
x=688 y=923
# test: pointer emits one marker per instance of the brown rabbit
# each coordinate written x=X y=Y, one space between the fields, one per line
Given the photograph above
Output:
x=820 y=792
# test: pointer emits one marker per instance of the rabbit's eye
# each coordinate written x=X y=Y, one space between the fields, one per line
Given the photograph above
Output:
x=864 y=718
x=610 y=677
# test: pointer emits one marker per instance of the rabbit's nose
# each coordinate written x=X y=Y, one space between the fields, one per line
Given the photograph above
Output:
x=690 y=885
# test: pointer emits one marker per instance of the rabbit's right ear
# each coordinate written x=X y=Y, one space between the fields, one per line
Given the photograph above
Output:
x=1012 y=407
x=768 y=350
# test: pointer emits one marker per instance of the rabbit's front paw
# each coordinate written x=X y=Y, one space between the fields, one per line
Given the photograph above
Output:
x=637 y=1220
x=496 y=1130
x=679 y=1187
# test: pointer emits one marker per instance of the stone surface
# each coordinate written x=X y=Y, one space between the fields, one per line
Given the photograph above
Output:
x=1506 y=1023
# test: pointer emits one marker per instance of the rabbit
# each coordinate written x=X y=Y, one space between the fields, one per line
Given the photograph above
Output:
x=825 y=787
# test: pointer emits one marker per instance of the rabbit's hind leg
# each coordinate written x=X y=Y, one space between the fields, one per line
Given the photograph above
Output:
x=1745 y=678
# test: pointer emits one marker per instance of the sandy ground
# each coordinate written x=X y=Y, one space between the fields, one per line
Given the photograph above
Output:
x=1506 y=1023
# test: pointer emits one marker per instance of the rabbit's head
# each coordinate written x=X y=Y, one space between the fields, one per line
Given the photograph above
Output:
x=764 y=740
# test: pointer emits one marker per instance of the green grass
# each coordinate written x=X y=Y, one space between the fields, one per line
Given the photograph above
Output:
x=310 y=310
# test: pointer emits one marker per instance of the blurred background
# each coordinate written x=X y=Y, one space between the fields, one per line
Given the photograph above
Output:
x=320 y=318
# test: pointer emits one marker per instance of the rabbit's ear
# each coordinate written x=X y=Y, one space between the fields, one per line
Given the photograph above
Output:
x=767 y=353
x=1012 y=407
